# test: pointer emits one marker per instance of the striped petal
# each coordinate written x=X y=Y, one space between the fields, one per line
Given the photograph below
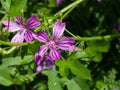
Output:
x=18 y=38
x=58 y=29
x=40 y=54
x=32 y=22
x=28 y=36
x=54 y=54
x=41 y=36
x=19 y=20
x=66 y=40
x=66 y=43
x=11 y=26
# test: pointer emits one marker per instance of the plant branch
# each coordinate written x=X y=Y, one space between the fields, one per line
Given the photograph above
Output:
x=72 y=5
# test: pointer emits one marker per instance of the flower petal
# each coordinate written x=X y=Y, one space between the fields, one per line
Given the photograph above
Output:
x=28 y=36
x=66 y=40
x=18 y=38
x=59 y=1
x=58 y=29
x=66 y=43
x=19 y=20
x=40 y=54
x=32 y=22
x=41 y=36
x=38 y=69
x=11 y=26
x=54 y=54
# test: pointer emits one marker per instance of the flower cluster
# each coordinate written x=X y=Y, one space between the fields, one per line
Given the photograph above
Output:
x=50 y=49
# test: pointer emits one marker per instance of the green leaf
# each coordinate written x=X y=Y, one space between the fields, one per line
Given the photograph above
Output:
x=76 y=68
x=82 y=83
x=63 y=67
x=9 y=61
x=96 y=48
x=5 y=78
x=72 y=85
x=6 y=4
x=53 y=80
x=75 y=83
x=16 y=7
x=77 y=55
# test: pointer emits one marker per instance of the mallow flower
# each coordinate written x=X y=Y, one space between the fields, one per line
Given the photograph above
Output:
x=24 y=31
x=55 y=44
x=46 y=63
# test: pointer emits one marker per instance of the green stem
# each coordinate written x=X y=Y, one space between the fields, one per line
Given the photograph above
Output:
x=97 y=37
x=6 y=52
x=16 y=44
x=64 y=15
x=72 y=5
x=70 y=33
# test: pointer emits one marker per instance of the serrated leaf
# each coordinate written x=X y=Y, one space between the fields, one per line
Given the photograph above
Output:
x=53 y=80
x=16 y=7
x=76 y=68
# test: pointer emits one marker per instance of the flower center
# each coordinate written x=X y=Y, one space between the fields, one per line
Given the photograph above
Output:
x=51 y=44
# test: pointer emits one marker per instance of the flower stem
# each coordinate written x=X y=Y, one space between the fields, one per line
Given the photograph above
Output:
x=75 y=37
x=70 y=33
x=72 y=5
x=16 y=44
x=6 y=52
x=97 y=37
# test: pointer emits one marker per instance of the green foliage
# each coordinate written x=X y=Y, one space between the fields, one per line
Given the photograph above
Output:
x=17 y=7
x=96 y=48
x=76 y=68
x=53 y=80
x=94 y=26
x=6 y=4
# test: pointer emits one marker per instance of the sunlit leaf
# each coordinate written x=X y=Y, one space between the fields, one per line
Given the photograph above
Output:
x=53 y=80
x=6 y=4
x=17 y=7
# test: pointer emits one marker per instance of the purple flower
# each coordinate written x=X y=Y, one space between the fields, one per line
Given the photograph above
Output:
x=54 y=45
x=45 y=64
x=23 y=29
x=100 y=1
x=59 y=1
